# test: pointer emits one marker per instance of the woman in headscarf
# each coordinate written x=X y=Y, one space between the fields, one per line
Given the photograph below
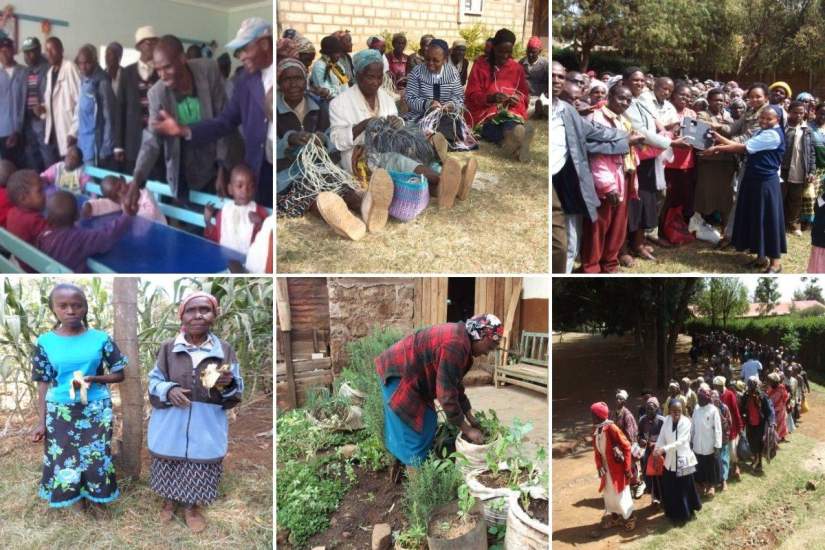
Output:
x=597 y=94
x=497 y=97
x=430 y=364
x=679 y=495
x=73 y=366
x=611 y=451
x=706 y=441
x=778 y=394
x=627 y=423
x=650 y=425
x=377 y=43
x=350 y=114
x=757 y=415
x=195 y=380
x=724 y=455
x=327 y=75
x=436 y=84
x=737 y=108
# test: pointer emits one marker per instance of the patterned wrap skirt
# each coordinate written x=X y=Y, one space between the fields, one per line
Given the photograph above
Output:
x=77 y=462
x=184 y=481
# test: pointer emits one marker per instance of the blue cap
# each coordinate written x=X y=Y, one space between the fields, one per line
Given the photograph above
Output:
x=251 y=30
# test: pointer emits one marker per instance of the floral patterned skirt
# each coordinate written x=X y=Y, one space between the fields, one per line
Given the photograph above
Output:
x=77 y=462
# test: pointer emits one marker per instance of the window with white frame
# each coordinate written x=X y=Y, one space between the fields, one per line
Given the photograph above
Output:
x=473 y=7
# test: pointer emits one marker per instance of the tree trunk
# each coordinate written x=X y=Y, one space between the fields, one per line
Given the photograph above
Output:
x=131 y=391
x=646 y=343
x=663 y=368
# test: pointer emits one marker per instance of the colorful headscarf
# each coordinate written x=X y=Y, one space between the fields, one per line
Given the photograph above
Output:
x=654 y=401
x=375 y=42
x=480 y=325
x=290 y=63
x=780 y=84
x=804 y=96
x=534 y=42
x=600 y=409
x=364 y=59
x=704 y=391
x=286 y=47
x=199 y=294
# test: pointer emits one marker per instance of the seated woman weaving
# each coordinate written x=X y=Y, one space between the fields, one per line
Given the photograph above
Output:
x=497 y=97
x=372 y=139
x=435 y=86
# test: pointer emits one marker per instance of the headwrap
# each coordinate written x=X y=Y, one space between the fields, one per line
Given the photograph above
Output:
x=686 y=380
x=594 y=84
x=534 y=42
x=331 y=45
x=673 y=386
x=740 y=385
x=199 y=294
x=459 y=43
x=719 y=381
x=375 y=42
x=286 y=47
x=290 y=63
x=804 y=96
x=502 y=36
x=704 y=391
x=438 y=43
x=776 y=109
x=774 y=377
x=621 y=394
x=486 y=323
x=364 y=59
x=302 y=43
x=783 y=85
x=600 y=409
x=754 y=379
x=739 y=102
x=654 y=401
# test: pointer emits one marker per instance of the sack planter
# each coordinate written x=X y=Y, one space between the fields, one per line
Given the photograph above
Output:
x=496 y=500
x=469 y=536
x=347 y=420
x=525 y=532
x=475 y=454
x=355 y=397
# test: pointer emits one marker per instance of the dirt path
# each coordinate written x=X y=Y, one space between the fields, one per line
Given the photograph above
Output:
x=588 y=369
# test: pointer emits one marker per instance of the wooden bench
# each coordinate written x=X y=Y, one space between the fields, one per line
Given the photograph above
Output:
x=531 y=366
x=28 y=254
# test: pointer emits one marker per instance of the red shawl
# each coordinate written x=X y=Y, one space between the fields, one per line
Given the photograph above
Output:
x=729 y=399
x=614 y=438
x=483 y=82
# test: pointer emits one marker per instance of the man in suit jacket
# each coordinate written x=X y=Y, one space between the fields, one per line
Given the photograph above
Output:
x=133 y=100
x=247 y=108
x=189 y=91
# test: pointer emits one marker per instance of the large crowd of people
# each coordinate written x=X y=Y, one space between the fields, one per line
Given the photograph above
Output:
x=748 y=399
x=641 y=162
x=367 y=136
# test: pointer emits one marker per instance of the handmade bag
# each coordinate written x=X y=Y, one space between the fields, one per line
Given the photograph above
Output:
x=805 y=407
x=411 y=195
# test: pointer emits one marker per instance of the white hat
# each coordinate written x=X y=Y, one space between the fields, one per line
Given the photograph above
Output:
x=621 y=394
x=143 y=33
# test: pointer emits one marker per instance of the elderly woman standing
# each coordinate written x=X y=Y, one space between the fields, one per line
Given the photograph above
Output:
x=627 y=423
x=679 y=496
x=757 y=415
x=611 y=450
x=435 y=84
x=328 y=78
x=650 y=426
x=779 y=396
x=188 y=429
x=706 y=441
x=497 y=97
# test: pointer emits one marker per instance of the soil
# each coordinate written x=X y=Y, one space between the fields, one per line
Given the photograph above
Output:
x=446 y=525
x=373 y=499
x=539 y=509
x=499 y=481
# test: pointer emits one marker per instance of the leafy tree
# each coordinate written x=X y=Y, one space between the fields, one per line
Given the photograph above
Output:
x=766 y=294
x=721 y=298
x=589 y=24
x=811 y=291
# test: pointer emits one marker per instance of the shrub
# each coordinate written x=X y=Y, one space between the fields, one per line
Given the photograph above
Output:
x=434 y=484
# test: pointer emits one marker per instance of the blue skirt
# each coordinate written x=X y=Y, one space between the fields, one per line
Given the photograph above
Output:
x=406 y=444
x=759 y=223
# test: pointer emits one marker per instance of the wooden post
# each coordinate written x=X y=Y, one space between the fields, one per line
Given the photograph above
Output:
x=285 y=337
x=131 y=391
x=512 y=304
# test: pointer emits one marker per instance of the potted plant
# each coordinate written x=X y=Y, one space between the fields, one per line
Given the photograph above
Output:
x=528 y=523
x=458 y=524
x=492 y=431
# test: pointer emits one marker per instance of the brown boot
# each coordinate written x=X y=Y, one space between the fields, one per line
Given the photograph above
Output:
x=194 y=519
x=167 y=513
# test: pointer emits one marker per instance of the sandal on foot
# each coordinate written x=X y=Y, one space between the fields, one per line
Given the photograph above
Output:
x=376 y=205
x=773 y=270
x=448 y=183
x=468 y=175
x=335 y=212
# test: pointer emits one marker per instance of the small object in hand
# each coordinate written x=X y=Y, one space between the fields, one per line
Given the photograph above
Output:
x=210 y=375
x=79 y=383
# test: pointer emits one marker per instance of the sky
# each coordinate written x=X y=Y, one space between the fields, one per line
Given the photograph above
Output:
x=787 y=284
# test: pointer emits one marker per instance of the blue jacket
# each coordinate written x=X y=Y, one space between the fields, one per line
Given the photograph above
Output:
x=245 y=109
x=96 y=117
x=199 y=432
x=12 y=100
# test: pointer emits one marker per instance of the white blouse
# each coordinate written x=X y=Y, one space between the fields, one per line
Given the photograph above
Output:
x=346 y=111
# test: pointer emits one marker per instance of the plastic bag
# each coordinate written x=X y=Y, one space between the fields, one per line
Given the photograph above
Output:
x=743 y=449
x=703 y=230
x=655 y=465
x=675 y=229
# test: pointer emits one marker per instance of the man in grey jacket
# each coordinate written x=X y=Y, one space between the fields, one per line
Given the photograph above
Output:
x=38 y=155
x=189 y=91
x=574 y=195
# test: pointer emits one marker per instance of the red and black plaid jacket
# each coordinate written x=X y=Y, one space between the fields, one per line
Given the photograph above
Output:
x=431 y=364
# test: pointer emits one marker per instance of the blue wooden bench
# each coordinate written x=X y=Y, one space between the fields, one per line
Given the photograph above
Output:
x=28 y=254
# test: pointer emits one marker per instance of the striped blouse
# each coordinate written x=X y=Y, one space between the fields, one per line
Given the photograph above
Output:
x=424 y=87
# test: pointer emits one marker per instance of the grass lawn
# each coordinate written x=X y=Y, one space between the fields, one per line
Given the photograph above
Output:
x=501 y=228
x=701 y=257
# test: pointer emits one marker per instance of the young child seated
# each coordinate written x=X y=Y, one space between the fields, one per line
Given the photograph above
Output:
x=68 y=174
x=238 y=221
x=72 y=245
x=114 y=192
x=7 y=168
x=25 y=191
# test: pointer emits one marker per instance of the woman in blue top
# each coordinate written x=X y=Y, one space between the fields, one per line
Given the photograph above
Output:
x=759 y=223
x=75 y=417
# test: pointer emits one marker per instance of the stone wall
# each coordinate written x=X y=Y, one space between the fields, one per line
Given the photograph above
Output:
x=364 y=18
x=356 y=305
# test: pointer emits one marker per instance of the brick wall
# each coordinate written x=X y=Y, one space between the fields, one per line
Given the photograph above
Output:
x=363 y=18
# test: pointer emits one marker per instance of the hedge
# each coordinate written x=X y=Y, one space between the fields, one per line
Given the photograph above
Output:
x=769 y=330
